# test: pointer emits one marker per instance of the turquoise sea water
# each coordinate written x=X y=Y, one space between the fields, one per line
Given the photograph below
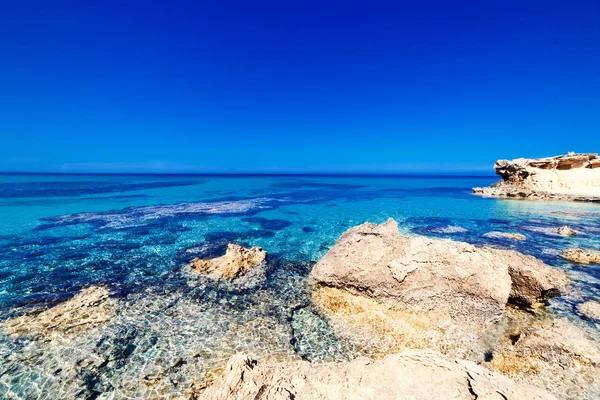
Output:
x=62 y=233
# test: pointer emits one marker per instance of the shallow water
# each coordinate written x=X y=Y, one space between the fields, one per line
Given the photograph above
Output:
x=61 y=233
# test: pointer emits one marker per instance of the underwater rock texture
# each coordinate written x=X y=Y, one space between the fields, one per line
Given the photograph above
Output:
x=421 y=274
x=568 y=177
x=414 y=374
x=582 y=256
x=88 y=309
x=236 y=261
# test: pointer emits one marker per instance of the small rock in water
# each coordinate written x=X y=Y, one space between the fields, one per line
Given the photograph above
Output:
x=566 y=231
x=582 y=256
x=88 y=309
x=505 y=235
x=236 y=261
x=590 y=309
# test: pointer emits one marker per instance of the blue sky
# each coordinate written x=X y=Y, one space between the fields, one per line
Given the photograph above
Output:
x=295 y=86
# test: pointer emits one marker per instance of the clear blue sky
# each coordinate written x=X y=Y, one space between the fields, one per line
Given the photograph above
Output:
x=295 y=86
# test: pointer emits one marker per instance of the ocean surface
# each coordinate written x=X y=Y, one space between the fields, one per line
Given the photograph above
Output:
x=133 y=234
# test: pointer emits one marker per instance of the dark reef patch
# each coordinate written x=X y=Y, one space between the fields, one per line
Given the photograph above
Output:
x=269 y=224
x=237 y=236
x=212 y=249
x=308 y=229
x=81 y=188
x=498 y=221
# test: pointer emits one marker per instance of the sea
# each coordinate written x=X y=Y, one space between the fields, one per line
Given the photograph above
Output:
x=134 y=234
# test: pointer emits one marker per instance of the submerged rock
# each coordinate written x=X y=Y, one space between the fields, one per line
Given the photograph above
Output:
x=88 y=309
x=505 y=235
x=582 y=256
x=421 y=274
x=590 y=309
x=414 y=374
x=567 y=177
x=566 y=231
x=236 y=261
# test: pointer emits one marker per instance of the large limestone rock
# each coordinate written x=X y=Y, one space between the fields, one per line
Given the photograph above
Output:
x=582 y=256
x=467 y=282
x=410 y=375
x=88 y=309
x=236 y=261
x=568 y=177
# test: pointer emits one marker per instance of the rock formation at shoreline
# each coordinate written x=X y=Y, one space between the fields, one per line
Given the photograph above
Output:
x=433 y=304
x=414 y=374
x=236 y=261
x=422 y=274
x=567 y=177
x=88 y=309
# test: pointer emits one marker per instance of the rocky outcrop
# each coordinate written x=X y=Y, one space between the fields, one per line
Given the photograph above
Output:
x=566 y=231
x=412 y=375
x=553 y=354
x=582 y=256
x=590 y=309
x=567 y=177
x=532 y=281
x=422 y=274
x=505 y=235
x=384 y=293
x=236 y=261
x=88 y=309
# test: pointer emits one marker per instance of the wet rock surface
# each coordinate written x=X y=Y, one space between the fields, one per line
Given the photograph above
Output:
x=566 y=177
x=582 y=256
x=566 y=231
x=90 y=308
x=236 y=261
x=413 y=374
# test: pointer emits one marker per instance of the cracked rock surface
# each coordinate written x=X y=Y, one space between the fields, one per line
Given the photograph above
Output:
x=413 y=374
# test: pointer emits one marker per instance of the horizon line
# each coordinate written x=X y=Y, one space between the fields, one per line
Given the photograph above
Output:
x=271 y=174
